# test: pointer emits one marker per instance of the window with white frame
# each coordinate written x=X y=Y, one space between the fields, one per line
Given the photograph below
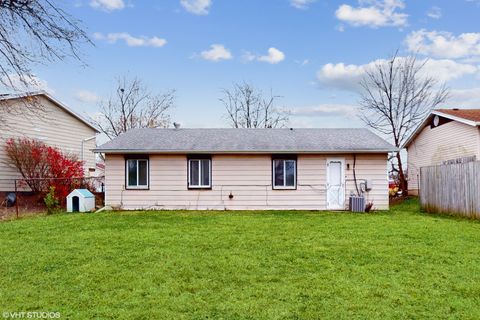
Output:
x=199 y=173
x=137 y=173
x=284 y=173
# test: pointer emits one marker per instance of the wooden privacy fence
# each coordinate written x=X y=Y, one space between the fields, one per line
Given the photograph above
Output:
x=451 y=188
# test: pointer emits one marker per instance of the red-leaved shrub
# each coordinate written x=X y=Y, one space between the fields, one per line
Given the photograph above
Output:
x=43 y=166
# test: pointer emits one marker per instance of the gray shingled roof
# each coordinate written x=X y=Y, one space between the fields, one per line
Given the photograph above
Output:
x=246 y=141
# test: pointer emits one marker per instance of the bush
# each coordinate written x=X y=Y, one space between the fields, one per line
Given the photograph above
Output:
x=43 y=166
x=51 y=201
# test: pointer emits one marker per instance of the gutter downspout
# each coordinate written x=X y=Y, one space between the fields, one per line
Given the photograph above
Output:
x=82 y=145
x=355 y=173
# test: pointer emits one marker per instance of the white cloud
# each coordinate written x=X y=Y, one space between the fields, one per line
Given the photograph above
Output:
x=341 y=76
x=107 y=5
x=131 y=41
x=274 y=56
x=303 y=62
x=301 y=4
x=373 y=13
x=348 y=76
x=434 y=13
x=444 y=44
x=446 y=70
x=30 y=83
x=216 y=52
x=327 y=110
x=464 y=98
x=86 y=96
x=198 y=7
x=247 y=56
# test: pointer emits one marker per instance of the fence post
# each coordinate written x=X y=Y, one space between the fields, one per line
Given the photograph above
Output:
x=16 y=198
x=418 y=181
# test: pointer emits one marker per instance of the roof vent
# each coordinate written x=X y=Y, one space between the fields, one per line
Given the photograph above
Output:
x=176 y=125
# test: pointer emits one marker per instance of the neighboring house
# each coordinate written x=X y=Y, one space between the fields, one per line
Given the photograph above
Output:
x=54 y=123
x=234 y=169
x=445 y=136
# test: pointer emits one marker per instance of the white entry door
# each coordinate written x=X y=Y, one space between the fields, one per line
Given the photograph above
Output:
x=335 y=184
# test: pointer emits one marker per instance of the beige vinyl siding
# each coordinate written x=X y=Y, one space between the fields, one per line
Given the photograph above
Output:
x=54 y=126
x=449 y=141
x=247 y=177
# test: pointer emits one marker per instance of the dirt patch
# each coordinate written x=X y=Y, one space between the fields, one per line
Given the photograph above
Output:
x=28 y=204
x=399 y=200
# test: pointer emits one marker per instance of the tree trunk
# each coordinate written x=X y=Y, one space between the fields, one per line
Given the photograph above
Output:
x=401 y=175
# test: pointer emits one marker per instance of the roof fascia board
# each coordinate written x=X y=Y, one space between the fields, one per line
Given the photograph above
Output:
x=451 y=117
x=239 y=152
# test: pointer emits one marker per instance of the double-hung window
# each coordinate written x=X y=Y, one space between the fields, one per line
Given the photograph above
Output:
x=137 y=173
x=284 y=173
x=199 y=173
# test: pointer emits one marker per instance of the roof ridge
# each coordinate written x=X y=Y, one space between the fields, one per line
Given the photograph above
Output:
x=247 y=140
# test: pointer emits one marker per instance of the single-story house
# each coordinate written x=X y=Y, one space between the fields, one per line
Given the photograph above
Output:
x=233 y=169
x=40 y=116
x=445 y=136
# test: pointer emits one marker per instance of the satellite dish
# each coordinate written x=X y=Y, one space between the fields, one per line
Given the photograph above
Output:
x=436 y=121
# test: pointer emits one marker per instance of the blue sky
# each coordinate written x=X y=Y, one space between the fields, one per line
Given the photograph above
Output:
x=310 y=52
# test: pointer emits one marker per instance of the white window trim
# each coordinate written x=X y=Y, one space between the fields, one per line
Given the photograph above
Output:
x=285 y=187
x=138 y=186
x=200 y=185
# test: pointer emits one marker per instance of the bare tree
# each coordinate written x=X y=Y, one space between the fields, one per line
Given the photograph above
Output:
x=34 y=31
x=134 y=106
x=397 y=95
x=247 y=107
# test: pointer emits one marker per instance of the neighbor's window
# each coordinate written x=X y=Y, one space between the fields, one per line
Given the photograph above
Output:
x=284 y=174
x=137 y=173
x=199 y=173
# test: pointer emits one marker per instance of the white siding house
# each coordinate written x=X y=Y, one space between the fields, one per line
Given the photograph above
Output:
x=234 y=169
x=445 y=135
x=54 y=123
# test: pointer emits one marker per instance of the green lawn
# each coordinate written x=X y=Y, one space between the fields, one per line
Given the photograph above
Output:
x=242 y=265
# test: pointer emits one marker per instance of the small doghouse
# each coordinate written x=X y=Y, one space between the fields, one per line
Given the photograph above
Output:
x=80 y=200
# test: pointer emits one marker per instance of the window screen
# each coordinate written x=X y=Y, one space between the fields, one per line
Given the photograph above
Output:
x=137 y=173
x=284 y=174
x=199 y=173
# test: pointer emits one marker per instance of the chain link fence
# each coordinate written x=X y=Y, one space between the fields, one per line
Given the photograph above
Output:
x=25 y=197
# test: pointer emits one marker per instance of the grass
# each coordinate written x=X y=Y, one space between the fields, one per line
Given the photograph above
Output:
x=242 y=265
